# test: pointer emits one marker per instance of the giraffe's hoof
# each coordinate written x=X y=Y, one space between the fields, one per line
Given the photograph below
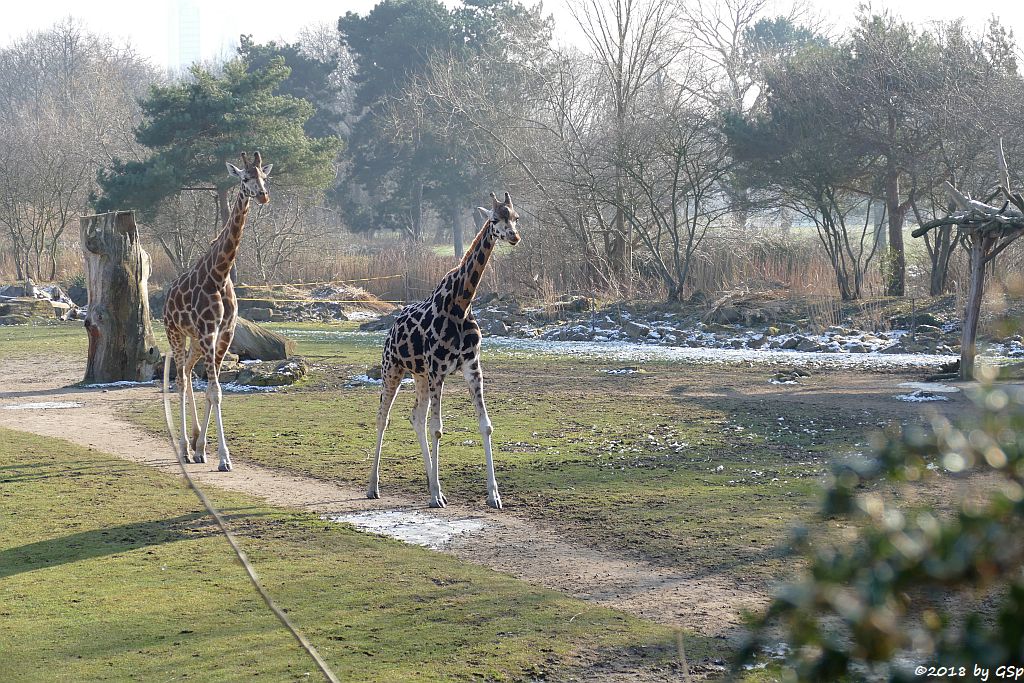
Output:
x=494 y=502
x=444 y=500
x=373 y=494
x=437 y=502
x=224 y=467
x=199 y=457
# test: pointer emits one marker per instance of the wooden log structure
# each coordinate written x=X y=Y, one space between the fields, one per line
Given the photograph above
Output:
x=121 y=342
x=985 y=231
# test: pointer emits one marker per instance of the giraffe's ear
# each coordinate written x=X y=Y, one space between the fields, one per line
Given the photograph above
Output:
x=487 y=214
x=266 y=169
x=234 y=170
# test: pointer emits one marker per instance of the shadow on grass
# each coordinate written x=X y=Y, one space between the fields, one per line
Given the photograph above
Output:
x=88 y=545
x=95 y=543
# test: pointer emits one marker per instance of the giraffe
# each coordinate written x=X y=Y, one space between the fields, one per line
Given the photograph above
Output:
x=201 y=307
x=432 y=339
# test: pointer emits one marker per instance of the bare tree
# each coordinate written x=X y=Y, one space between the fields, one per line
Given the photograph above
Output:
x=633 y=41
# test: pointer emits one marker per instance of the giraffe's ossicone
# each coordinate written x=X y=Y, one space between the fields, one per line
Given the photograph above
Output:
x=200 y=313
x=435 y=337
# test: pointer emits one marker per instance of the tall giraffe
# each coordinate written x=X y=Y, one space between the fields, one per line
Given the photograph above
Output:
x=201 y=307
x=432 y=339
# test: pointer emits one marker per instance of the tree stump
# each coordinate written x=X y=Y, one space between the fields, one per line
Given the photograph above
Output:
x=117 y=268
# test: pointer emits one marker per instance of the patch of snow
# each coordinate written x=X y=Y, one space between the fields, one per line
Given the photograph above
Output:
x=361 y=316
x=233 y=388
x=920 y=397
x=416 y=528
x=932 y=387
x=44 y=405
x=624 y=371
x=366 y=380
x=121 y=383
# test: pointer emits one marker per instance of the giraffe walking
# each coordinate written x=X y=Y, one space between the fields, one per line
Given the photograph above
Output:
x=432 y=339
x=201 y=307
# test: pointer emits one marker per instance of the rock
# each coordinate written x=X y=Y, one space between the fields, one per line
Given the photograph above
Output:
x=19 y=290
x=27 y=306
x=757 y=342
x=381 y=324
x=857 y=347
x=635 y=330
x=253 y=342
x=928 y=331
x=61 y=310
x=286 y=372
x=374 y=372
x=260 y=315
x=14 y=319
x=806 y=344
x=247 y=303
x=496 y=328
x=80 y=295
x=792 y=342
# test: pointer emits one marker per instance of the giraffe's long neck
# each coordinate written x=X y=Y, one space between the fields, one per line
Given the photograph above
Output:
x=467 y=275
x=222 y=253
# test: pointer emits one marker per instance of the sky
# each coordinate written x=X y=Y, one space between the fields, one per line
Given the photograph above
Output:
x=149 y=25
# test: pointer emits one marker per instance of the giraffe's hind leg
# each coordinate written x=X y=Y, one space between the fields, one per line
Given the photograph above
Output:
x=392 y=377
x=419 y=422
x=224 y=337
x=193 y=358
x=436 y=428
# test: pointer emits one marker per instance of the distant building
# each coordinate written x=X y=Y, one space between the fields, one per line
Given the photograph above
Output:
x=183 y=34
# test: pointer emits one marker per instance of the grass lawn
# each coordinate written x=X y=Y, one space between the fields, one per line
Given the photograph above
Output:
x=655 y=463
x=109 y=572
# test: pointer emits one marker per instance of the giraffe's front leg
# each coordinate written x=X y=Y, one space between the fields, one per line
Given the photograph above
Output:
x=388 y=392
x=180 y=353
x=474 y=378
x=199 y=450
x=436 y=429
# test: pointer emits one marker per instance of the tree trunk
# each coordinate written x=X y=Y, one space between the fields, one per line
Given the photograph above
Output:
x=973 y=309
x=121 y=342
x=896 y=261
x=457 y=231
x=417 y=211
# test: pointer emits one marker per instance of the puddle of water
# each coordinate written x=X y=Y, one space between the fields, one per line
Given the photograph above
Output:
x=920 y=396
x=416 y=528
x=930 y=386
x=44 y=405
x=629 y=352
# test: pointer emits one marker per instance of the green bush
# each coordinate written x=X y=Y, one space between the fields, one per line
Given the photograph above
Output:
x=919 y=584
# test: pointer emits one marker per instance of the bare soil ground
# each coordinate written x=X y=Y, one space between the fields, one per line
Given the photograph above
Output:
x=704 y=604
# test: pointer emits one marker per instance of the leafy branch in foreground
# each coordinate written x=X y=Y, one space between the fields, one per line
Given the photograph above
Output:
x=915 y=585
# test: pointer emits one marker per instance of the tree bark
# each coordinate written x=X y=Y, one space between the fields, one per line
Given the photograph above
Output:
x=973 y=309
x=896 y=212
x=417 y=211
x=117 y=268
x=457 y=231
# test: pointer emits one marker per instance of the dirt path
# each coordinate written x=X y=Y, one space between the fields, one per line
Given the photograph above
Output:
x=708 y=605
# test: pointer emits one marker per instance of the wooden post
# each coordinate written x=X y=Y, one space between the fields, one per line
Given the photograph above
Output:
x=121 y=342
x=972 y=311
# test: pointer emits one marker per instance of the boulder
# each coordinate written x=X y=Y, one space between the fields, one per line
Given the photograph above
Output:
x=253 y=342
x=260 y=315
x=286 y=372
x=79 y=295
x=496 y=328
x=27 y=306
x=806 y=344
x=14 y=319
x=792 y=342
x=381 y=324
x=635 y=330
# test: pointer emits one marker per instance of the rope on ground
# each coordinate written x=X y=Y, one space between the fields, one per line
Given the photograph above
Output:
x=239 y=553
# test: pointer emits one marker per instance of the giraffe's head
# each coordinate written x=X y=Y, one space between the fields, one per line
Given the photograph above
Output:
x=253 y=177
x=503 y=219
